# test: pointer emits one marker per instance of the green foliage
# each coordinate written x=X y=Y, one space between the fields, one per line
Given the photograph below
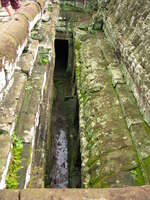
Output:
x=44 y=59
x=78 y=45
x=68 y=7
x=44 y=55
x=35 y=35
x=138 y=177
x=49 y=8
x=11 y=178
x=28 y=87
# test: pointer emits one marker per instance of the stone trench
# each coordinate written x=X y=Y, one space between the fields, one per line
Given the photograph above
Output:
x=99 y=101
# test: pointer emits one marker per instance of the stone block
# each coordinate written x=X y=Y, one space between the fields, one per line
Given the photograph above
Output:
x=26 y=63
x=2 y=80
x=116 y=74
x=9 y=194
x=136 y=193
x=33 y=48
x=30 y=11
x=4 y=152
x=11 y=104
x=129 y=105
x=141 y=136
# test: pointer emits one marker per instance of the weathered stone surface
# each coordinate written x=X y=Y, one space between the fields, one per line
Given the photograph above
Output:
x=26 y=63
x=27 y=60
x=106 y=145
x=4 y=151
x=126 y=27
x=14 y=37
x=129 y=105
x=133 y=193
x=9 y=194
x=39 y=157
x=30 y=10
x=19 y=28
x=28 y=119
x=2 y=82
x=33 y=48
x=141 y=137
x=10 y=106
x=116 y=74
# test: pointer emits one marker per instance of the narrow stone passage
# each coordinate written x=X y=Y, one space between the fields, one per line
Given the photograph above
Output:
x=59 y=172
x=63 y=124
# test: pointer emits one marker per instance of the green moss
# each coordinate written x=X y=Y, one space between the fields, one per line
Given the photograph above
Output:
x=44 y=55
x=35 y=35
x=146 y=167
x=138 y=177
x=95 y=183
x=68 y=7
x=12 y=178
x=49 y=8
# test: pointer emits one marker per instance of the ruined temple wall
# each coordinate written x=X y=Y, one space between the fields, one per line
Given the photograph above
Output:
x=26 y=98
x=127 y=27
x=14 y=35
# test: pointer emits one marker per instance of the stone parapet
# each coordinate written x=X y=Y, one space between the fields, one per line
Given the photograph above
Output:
x=14 y=37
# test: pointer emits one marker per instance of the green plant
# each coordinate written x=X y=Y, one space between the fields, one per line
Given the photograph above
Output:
x=28 y=87
x=44 y=59
x=11 y=178
x=49 y=8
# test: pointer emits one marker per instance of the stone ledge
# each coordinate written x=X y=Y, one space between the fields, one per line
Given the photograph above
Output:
x=14 y=37
x=128 y=193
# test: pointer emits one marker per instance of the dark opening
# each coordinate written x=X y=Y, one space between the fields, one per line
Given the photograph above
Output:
x=61 y=53
x=63 y=167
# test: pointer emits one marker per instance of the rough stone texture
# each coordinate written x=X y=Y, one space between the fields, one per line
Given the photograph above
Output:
x=27 y=60
x=114 y=137
x=4 y=149
x=126 y=25
x=96 y=194
x=28 y=119
x=43 y=133
x=14 y=37
x=9 y=109
x=11 y=104
x=9 y=194
x=129 y=193
x=104 y=135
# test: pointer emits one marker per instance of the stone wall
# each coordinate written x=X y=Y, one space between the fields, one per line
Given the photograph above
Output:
x=27 y=61
x=126 y=25
x=114 y=136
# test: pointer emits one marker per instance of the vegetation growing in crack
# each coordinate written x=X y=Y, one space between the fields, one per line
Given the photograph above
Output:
x=44 y=56
x=12 y=177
